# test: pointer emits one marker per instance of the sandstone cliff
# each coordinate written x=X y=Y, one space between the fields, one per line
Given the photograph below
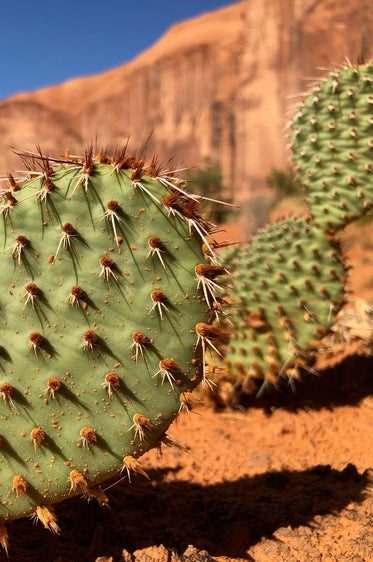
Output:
x=221 y=85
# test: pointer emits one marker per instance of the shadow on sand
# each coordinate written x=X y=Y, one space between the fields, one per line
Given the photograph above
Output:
x=226 y=519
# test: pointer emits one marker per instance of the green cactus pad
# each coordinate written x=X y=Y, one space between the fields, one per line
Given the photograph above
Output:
x=288 y=285
x=332 y=144
x=98 y=313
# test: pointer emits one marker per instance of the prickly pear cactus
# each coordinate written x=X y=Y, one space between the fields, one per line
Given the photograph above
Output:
x=332 y=145
x=288 y=285
x=102 y=290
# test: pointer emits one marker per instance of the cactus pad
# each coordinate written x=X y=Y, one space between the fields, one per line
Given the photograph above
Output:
x=288 y=287
x=99 y=308
x=332 y=145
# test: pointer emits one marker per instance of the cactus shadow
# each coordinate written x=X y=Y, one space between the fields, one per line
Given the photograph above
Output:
x=8 y=452
x=103 y=350
x=34 y=494
x=230 y=517
x=20 y=400
x=225 y=518
x=27 y=261
x=44 y=352
x=73 y=251
x=78 y=240
x=345 y=384
x=113 y=281
x=4 y=357
x=49 y=349
x=49 y=446
x=145 y=357
x=152 y=349
x=176 y=275
x=95 y=196
x=68 y=395
x=40 y=308
x=104 y=447
x=129 y=248
x=87 y=304
x=124 y=224
x=170 y=315
x=6 y=222
x=168 y=258
x=48 y=209
x=124 y=394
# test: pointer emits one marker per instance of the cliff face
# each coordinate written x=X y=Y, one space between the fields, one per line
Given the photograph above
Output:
x=221 y=85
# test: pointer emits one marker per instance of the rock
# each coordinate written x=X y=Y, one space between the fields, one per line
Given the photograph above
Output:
x=220 y=85
x=126 y=556
x=152 y=554
x=192 y=554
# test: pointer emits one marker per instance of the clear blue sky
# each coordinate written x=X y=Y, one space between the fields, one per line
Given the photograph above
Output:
x=45 y=42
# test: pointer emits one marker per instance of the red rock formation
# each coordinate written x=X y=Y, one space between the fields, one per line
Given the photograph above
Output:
x=221 y=85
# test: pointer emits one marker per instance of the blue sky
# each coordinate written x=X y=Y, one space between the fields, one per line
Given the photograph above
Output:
x=45 y=42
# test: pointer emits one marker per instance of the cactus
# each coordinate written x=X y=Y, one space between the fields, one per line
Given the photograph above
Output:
x=99 y=309
x=288 y=285
x=332 y=145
